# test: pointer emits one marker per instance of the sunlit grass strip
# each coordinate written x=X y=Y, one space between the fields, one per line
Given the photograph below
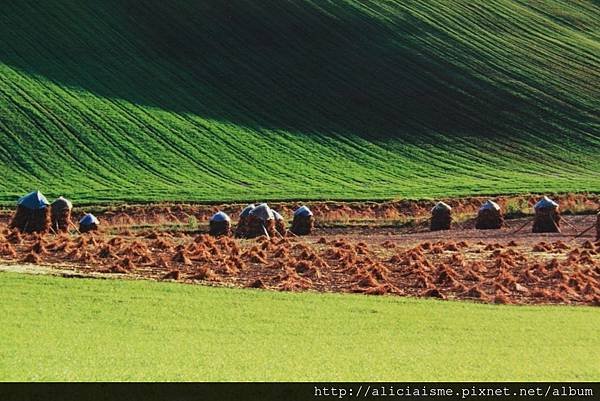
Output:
x=80 y=329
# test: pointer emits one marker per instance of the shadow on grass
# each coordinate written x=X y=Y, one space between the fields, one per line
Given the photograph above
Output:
x=329 y=67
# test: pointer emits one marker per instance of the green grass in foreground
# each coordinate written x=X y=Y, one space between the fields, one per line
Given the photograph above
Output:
x=79 y=329
x=213 y=100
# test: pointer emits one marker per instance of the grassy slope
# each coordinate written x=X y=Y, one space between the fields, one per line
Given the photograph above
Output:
x=79 y=329
x=183 y=100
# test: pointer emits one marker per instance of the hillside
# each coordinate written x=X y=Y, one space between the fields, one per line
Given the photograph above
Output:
x=239 y=100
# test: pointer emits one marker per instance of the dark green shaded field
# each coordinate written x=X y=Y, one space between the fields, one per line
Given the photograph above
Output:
x=182 y=100
x=80 y=329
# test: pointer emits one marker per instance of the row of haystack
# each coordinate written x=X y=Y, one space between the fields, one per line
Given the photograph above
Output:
x=489 y=217
x=547 y=217
x=35 y=214
x=257 y=220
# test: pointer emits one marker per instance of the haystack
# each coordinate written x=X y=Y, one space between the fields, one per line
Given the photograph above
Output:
x=303 y=222
x=547 y=216
x=61 y=214
x=441 y=217
x=241 y=230
x=261 y=221
x=33 y=213
x=279 y=223
x=89 y=222
x=489 y=216
x=598 y=227
x=220 y=224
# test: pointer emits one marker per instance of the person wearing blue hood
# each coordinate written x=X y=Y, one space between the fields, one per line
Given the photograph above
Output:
x=61 y=214
x=261 y=221
x=88 y=223
x=220 y=225
x=547 y=217
x=489 y=216
x=279 y=223
x=303 y=222
x=33 y=213
x=242 y=228
x=441 y=217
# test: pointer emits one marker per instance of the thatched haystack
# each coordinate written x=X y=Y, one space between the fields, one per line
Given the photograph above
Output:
x=241 y=230
x=88 y=223
x=489 y=216
x=261 y=221
x=279 y=223
x=303 y=222
x=220 y=225
x=32 y=214
x=598 y=227
x=441 y=217
x=61 y=214
x=547 y=216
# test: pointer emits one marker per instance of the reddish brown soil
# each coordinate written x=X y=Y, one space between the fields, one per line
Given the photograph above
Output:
x=495 y=266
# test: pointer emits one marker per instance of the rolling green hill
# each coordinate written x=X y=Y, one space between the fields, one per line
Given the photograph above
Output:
x=184 y=100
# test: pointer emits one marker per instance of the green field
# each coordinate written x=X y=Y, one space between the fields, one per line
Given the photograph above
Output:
x=81 y=329
x=212 y=101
